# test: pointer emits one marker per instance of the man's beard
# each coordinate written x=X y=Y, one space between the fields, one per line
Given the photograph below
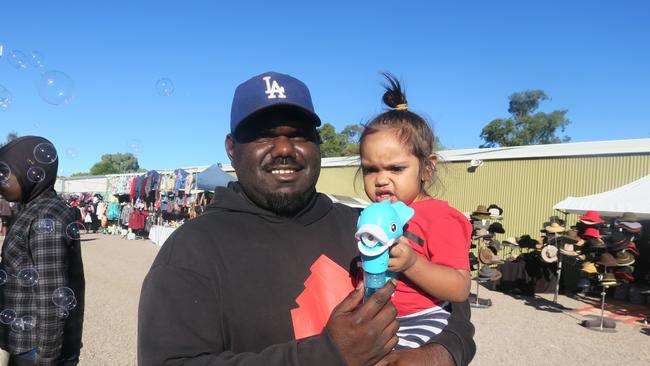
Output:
x=288 y=204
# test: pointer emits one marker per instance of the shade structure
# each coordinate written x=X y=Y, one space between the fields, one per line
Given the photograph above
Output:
x=633 y=197
x=212 y=177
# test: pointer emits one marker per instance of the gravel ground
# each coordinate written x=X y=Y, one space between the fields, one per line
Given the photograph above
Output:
x=514 y=331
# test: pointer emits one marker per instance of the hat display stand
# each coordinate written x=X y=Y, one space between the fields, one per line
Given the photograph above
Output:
x=478 y=302
x=559 y=270
x=600 y=327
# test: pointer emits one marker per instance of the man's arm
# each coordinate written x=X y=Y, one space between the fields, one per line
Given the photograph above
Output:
x=453 y=346
x=179 y=324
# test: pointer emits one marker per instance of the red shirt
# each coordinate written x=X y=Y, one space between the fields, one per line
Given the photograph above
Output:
x=447 y=238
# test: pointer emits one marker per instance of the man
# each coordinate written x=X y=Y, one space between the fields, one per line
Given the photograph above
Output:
x=42 y=258
x=225 y=288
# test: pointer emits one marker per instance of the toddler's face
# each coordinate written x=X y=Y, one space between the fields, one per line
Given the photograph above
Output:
x=390 y=170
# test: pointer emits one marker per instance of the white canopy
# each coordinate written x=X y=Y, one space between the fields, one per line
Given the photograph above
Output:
x=633 y=197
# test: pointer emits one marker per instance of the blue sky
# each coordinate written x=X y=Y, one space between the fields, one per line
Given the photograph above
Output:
x=459 y=61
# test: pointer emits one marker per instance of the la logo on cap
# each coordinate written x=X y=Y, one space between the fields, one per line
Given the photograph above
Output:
x=274 y=90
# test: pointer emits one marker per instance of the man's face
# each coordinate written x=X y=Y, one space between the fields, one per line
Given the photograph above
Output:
x=277 y=160
x=10 y=189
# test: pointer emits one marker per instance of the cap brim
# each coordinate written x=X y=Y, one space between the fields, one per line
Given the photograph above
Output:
x=309 y=116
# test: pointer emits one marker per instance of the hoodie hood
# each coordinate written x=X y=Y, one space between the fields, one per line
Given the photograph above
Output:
x=233 y=198
x=34 y=162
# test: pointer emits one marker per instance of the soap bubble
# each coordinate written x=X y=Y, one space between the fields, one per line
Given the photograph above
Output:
x=62 y=313
x=5 y=172
x=44 y=226
x=134 y=147
x=73 y=230
x=28 y=322
x=3 y=277
x=35 y=174
x=17 y=59
x=5 y=98
x=56 y=88
x=63 y=297
x=71 y=153
x=164 y=87
x=18 y=325
x=36 y=60
x=45 y=153
x=27 y=277
x=7 y=316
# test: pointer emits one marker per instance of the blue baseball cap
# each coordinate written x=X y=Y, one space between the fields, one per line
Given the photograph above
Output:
x=271 y=90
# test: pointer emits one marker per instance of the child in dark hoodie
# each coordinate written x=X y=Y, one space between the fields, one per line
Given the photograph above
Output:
x=41 y=256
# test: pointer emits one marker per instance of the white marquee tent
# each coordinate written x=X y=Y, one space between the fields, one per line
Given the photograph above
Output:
x=633 y=197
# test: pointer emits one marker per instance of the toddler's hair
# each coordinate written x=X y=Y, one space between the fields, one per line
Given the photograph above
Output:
x=411 y=129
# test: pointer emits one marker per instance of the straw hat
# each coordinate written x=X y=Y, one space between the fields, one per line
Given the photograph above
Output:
x=549 y=254
x=554 y=228
x=607 y=260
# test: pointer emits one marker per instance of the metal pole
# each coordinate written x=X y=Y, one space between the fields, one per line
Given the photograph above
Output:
x=559 y=270
x=602 y=307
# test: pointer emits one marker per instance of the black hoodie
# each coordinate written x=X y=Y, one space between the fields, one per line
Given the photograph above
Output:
x=34 y=162
x=222 y=287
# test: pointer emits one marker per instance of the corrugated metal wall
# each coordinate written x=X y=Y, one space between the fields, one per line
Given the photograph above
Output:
x=526 y=189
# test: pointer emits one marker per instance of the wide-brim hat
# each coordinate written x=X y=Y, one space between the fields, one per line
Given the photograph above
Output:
x=555 y=228
x=481 y=210
x=568 y=249
x=591 y=217
x=486 y=256
x=495 y=243
x=487 y=273
x=511 y=242
x=617 y=241
x=624 y=258
x=525 y=241
x=589 y=267
x=574 y=235
x=496 y=227
x=596 y=243
x=556 y=219
x=608 y=279
x=632 y=249
x=629 y=217
x=495 y=211
x=633 y=227
x=549 y=254
x=591 y=232
x=607 y=260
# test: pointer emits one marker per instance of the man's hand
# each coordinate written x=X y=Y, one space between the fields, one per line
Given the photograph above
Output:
x=366 y=333
x=428 y=355
x=402 y=256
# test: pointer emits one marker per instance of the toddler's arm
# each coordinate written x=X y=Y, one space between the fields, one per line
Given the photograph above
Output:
x=442 y=282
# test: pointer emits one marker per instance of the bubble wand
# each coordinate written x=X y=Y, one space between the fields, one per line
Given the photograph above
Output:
x=379 y=226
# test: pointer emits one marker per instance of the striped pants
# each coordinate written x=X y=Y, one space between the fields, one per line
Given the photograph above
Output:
x=417 y=329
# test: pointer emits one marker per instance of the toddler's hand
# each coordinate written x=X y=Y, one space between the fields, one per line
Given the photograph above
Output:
x=402 y=256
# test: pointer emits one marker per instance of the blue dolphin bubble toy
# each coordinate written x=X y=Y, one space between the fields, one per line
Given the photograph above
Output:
x=379 y=226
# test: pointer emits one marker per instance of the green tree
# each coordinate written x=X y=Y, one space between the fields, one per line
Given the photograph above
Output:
x=10 y=136
x=525 y=127
x=344 y=143
x=115 y=163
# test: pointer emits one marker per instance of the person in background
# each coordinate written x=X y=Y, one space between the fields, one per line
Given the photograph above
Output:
x=41 y=256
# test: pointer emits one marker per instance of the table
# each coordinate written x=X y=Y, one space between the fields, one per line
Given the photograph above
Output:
x=158 y=234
